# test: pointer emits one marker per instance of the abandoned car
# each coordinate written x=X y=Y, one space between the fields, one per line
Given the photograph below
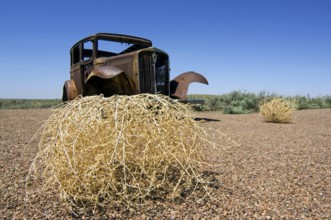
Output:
x=111 y=64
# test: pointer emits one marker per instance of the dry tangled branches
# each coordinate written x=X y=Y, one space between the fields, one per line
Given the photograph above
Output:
x=276 y=110
x=122 y=149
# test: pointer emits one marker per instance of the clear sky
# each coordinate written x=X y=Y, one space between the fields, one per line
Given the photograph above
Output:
x=281 y=46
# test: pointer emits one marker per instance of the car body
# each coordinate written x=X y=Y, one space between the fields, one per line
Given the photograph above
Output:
x=112 y=64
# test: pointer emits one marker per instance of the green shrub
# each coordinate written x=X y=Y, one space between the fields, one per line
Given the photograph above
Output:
x=213 y=104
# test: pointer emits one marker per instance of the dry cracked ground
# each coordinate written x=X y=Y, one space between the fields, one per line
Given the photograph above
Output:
x=275 y=171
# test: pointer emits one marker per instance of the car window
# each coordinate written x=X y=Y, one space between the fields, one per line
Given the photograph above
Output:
x=75 y=58
x=87 y=50
x=111 y=47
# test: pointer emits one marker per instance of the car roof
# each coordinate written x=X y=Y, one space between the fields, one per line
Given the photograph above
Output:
x=117 y=38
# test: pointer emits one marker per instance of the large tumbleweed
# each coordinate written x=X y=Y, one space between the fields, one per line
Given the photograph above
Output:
x=122 y=149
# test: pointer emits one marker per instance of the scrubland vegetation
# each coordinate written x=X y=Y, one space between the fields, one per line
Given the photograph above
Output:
x=238 y=102
x=28 y=103
x=235 y=102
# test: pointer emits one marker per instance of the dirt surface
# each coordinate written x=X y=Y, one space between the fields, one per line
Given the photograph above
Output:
x=276 y=171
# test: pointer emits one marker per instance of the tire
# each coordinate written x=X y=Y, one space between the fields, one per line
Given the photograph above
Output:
x=69 y=91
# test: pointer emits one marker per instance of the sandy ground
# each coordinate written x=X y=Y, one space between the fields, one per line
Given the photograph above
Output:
x=275 y=171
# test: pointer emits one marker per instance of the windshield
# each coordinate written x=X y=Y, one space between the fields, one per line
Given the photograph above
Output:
x=108 y=48
x=111 y=46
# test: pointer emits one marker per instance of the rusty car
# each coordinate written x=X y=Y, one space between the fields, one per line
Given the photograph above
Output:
x=111 y=64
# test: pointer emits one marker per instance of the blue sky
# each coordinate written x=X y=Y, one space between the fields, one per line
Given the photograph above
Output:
x=281 y=46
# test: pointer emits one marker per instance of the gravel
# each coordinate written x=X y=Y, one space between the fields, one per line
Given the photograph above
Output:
x=275 y=171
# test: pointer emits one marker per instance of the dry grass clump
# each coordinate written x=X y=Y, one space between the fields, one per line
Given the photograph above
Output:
x=122 y=149
x=277 y=110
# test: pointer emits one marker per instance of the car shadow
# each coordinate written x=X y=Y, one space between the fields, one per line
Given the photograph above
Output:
x=205 y=119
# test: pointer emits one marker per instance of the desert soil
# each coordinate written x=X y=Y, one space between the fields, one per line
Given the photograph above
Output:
x=274 y=171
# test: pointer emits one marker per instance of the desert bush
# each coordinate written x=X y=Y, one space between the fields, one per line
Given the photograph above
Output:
x=122 y=149
x=277 y=110
x=213 y=104
x=327 y=101
x=302 y=102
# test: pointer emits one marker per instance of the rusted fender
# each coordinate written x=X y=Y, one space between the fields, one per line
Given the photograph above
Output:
x=108 y=80
x=69 y=91
x=105 y=72
x=179 y=85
